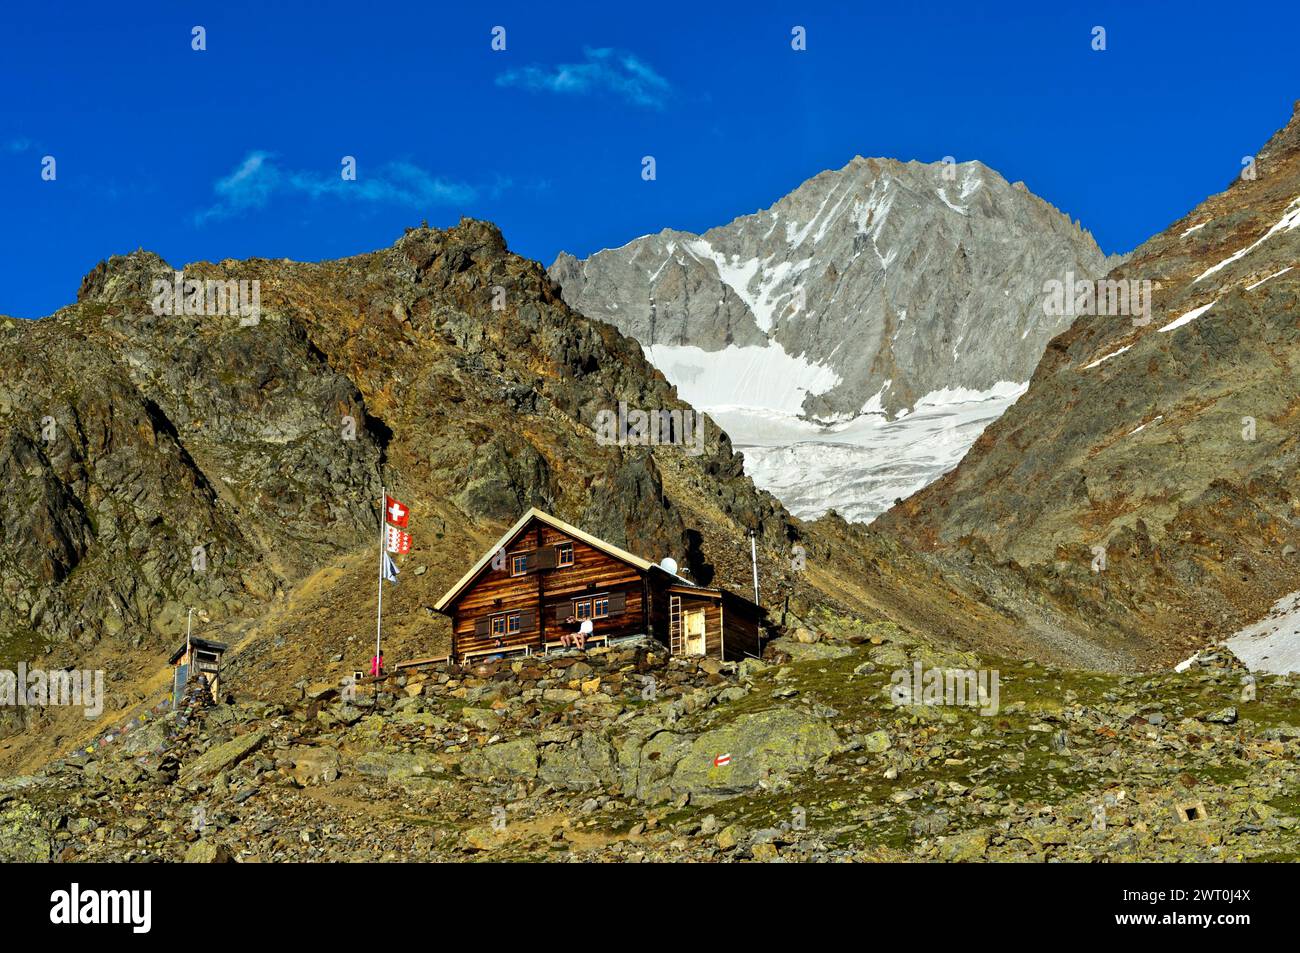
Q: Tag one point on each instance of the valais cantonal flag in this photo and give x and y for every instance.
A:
(395, 512)
(398, 542)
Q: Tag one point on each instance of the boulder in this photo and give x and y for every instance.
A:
(315, 765)
(800, 651)
(588, 763)
(877, 742)
(507, 759)
(221, 757)
(149, 737)
(646, 763)
(397, 765)
(762, 746)
(206, 852)
(23, 839)
(965, 847)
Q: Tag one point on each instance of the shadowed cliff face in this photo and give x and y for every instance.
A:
(1169, 447)
(155, 462)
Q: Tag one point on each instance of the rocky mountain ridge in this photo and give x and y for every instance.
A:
(1148, 476)
(854, 338)
(872, 285)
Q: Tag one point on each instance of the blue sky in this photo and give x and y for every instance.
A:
(235, 151)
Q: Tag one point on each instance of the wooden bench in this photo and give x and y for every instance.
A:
(420, 662)
(503, 651)
(590, 640)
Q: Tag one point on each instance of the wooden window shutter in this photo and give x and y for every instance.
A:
(527, 621)
(545, 559)
(617, 603)
(480, 628)
(563, 611)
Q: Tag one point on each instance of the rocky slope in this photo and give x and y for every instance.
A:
(881, 288)
(1169, 448)
(614, 756)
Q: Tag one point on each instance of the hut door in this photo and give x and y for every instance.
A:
(178, 685)
(695, 643)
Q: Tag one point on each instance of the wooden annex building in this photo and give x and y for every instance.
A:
(518, 596)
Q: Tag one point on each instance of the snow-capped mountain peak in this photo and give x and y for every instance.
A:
(860, 293)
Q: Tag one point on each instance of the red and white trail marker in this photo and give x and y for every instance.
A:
(722, 760)
(395, 512)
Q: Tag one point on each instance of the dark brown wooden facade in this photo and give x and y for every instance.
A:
(519, 595)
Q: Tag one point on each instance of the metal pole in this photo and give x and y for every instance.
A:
(379, 612)
(753, 558)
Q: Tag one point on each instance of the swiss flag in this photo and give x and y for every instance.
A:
(395, 512)
(398, 542)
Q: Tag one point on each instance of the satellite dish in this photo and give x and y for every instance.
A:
(668, 565)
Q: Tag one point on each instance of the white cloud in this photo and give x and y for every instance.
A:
(602, 71)
(259, 177)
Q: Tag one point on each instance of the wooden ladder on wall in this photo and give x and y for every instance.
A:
(675, 646)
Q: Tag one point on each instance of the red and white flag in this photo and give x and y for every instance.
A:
(722, 760)
(395, 512)
(398, 542)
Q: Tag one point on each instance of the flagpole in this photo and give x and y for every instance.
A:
(379, 612)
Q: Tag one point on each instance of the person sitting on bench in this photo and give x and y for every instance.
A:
(578, 638)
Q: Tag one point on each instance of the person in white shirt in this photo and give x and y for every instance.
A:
(578, 638)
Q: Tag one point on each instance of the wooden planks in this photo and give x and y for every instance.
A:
(544, 595)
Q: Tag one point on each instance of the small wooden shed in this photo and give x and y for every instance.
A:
(197, 658)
